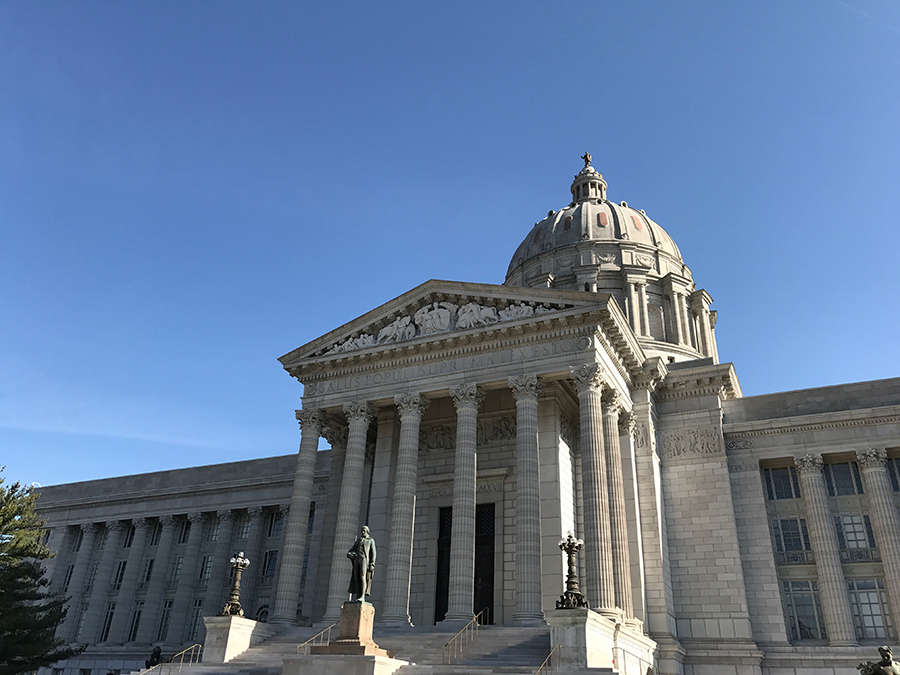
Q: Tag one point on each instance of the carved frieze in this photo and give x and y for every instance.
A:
(644, 260)
(698, 441)
(438, 317)
(494, 431)
(640, 435)
(436, 437)
(739, 444)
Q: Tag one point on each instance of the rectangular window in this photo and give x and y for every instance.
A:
(84, 671)
(276, 524)
(782, 483)
(135, 621)
(120, 574)
(791, 540)
(164, 620)
(843, 479)
(243, 529)
(206, 567)
(212, 533)
(107, 622)
(129, 537)
(893, 466)
(157, 533)
(803, 611)
(89, 582)
(69, 570)
(855, 536)
(870, 609)
(270, 560)
(81, 615)
(185, 532)
(176, 568)
(57, 671)
(101, 540)
(148, 571)
(196, 619)
(76, 543)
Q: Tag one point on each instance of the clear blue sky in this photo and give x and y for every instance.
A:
(189, 190)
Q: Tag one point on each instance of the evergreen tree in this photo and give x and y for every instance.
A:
(29, 614)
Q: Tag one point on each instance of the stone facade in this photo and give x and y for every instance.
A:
(472, 425)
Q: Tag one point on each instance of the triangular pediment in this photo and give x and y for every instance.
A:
(438, 312)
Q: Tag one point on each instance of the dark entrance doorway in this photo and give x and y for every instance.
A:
(484, 562)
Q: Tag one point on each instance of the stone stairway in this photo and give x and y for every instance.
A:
(496, 650)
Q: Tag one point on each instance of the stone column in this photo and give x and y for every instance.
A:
(359, 414)
(526, 389)
(823, 539)
(336, 435)
(885, 520)
(396, 597)
(76, 583)
(100, 593)
(676, 318)
(125, 599)
(287, 594)
(598, 575)
(612, 406)
(218, 586)
(634, 315)
(187, 580)
(645, 318)
(253, 551)
(466, 398)
(161, 565)
(686, 322)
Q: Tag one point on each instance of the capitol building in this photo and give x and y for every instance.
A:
(472, 426)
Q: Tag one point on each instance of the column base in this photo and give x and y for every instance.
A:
(456, 619)
(395, 620)
(283, 621)
(529, 619)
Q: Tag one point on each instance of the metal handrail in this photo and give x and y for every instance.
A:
(547, 665)
(461, 640)
(642, 663)
(314, 638)
(194, 654)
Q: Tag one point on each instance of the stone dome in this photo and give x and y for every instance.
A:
(595, 245)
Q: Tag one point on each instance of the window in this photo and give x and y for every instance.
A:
(120, 574)
(270, 560)
(206, 567)
(89, 583)
(157, 533)
(212, 533)
(56, 671)
(843, 479)
(782, 483)
(791, 541)
(164, 620)
(81, 615)
(101, 539)
(855, 537)
(243, 529)
(176, 568)
(196, 619)
(129, 537)
(870, 610)
(77, 539)
(84, 671)
(107, 622)
(276, 524)
(185, 532)
(893, 466)
(262, 614)
(803, 610)
(148, 571)
(69, 570)
(135, 621)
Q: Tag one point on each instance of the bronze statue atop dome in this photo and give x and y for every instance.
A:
(587, 159)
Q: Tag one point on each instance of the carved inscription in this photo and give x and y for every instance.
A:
(683, 442)
(447, 490)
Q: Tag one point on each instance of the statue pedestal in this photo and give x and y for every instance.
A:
(589, 640)
(354, 652)
(355, 633)
(228, 636)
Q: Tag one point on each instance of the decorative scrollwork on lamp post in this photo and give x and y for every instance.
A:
(572, 598)
(233, 607)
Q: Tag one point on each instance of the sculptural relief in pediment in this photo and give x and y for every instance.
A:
(436, 318)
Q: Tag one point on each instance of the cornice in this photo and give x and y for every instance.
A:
(714, 380)
(816, 422)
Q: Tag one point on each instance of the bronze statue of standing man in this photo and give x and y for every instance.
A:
(362, 558)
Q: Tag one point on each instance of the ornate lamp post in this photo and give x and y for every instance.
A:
(233, 607)
(572, 598)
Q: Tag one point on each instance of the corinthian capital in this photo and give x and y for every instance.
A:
(612, 402)
(140, 524)
(809, 464)
(627, 423)
(335, 432)
(411, 404)
(873, 458)
(359, 411)
(526, 387)
(309, 418)
(115, 526)
(587, 377)
(468, 395)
